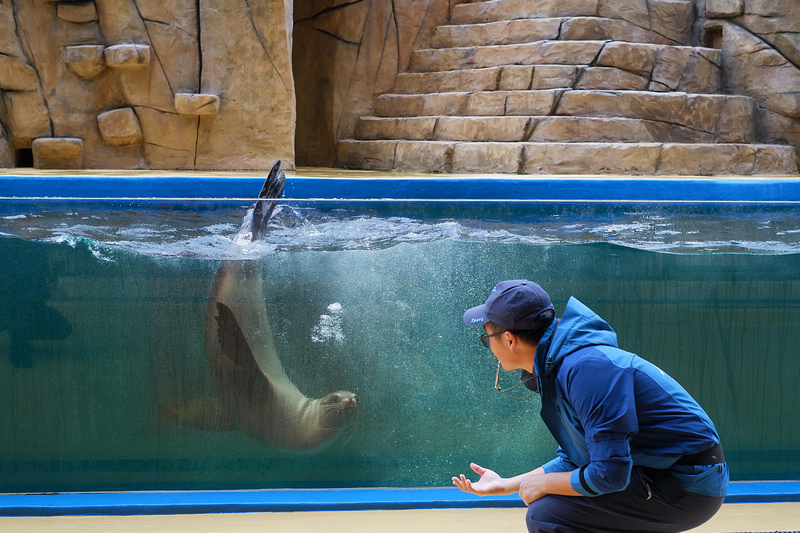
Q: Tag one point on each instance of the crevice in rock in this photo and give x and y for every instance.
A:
(153, 50)
(556, 102)
(196, 143)
(530, 127)
(28, 54)
(327, 10)
(341, 117)
(448, 157)
(158, 22)
(394, 155)
(765, 41)
(199, 47)
(434, 131)
(264, 45)
(165, 147)
(396, 32)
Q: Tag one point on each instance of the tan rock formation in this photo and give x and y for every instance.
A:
(115, 74)
(78, 12)
(85, 61)
(197, 104)
(345, 53)
(755, 68)
(236, 84)
(119, 127)
(620, 86)
(57, 153)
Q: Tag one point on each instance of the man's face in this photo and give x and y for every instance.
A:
(503, 345)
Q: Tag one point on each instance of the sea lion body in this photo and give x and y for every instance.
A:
(248, 376)
(253, 393)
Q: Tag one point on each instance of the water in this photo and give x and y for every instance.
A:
(204, 231)
(101, 326)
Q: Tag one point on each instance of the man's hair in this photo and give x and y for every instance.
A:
(533, 335)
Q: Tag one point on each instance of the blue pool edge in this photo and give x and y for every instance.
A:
(246, 501)
(548, 189)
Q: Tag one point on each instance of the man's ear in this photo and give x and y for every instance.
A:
(510, 339)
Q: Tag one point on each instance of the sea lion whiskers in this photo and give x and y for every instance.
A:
(351, 426)
(329, 413)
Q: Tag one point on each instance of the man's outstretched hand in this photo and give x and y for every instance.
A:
(489, 484)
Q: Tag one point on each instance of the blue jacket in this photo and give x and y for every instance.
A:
(609, 410)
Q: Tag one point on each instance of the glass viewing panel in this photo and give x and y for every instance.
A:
(105, 381)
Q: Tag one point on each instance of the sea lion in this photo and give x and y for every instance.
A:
(253, 393)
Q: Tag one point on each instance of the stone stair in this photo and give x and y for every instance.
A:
(571, 86)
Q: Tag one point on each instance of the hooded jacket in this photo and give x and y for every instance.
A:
(609, 410)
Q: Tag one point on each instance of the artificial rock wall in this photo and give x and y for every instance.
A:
(236, 84)
(347, 52)
(760, 43)
(181, 84)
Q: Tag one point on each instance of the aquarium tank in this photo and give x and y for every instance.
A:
(105, 383)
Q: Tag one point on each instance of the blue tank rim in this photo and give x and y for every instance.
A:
(239, 501)
(734, 190)
(535, 189)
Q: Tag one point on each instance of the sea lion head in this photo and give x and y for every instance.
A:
(342, 400)
(337, 408)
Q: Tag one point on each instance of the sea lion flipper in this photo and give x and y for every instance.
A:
(203, 413)
(232, 342)
(268, 198)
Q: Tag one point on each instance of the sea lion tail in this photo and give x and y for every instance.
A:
(268, 199)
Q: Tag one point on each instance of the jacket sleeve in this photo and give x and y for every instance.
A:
(560, 464)
(602, 396)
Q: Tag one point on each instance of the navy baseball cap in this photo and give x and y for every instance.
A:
(513, 304)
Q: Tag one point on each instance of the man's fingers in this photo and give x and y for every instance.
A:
(463, 483)
(477, 469)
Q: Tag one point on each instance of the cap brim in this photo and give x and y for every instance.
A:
(475, 316)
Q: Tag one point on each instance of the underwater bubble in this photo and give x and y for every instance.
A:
(329, 326)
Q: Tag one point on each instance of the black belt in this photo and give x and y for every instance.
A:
(711, 456)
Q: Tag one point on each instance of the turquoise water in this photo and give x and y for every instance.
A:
(102, 325)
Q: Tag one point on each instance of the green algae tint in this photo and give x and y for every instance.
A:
(97, 336)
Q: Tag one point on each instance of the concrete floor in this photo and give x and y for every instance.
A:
(732, 518)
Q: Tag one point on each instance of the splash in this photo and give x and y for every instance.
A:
(211, 233)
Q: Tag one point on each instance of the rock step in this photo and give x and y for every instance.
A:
(538, 77)
(592, 65)
(546, 129)
(704, 112)
(544, 29)
(661, 159)
(637, 58)
(672, 19)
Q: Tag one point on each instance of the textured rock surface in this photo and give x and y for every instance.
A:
(754, 68)
(344, 54)
(119, 127)
(569, 158)
(57, 153)
(85, 61)
(236, 84)
(197, 104)
(592, 86)
(110, 72)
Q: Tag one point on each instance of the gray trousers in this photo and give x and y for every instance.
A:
(668, 509)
